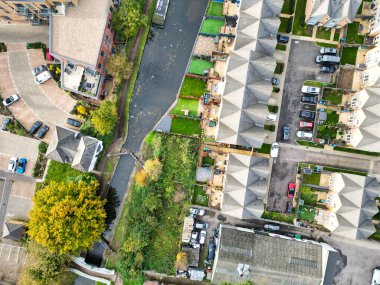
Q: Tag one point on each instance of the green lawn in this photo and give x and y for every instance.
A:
(352, 34)
(265, 148)
(281, 47)
(61, 172)
(332, 118)
(311, 144)
(336, 35)
(215, 9)
(287, 7)
(284, 26)
(287, 218)
(358, 151)
(186, 104)
(326, 132)
(198, 66)
(326, 45)
(309, 197)
(323, 34)
(299, 25)
(334, 96)
(318, 83)
(306, 213)
(349, 55)
(211, 26)
(192, 87)
(312, 179)
(185, 126)
(349, 171)
(200, 197)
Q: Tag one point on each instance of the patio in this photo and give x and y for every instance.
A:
(220, 68)
(230, 9)
(225, 44)
(205, 46)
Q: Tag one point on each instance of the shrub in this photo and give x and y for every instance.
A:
(42, 147)
(141, 178)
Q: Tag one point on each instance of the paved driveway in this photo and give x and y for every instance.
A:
(23, 34)
(284, 170)
(301, 67)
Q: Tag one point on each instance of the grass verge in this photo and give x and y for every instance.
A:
(274, 216)
(299, 25)
(357, 151)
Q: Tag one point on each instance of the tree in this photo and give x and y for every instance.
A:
(181, 261)
(141, 178)
(104, 118)
(119, 67)
(153, 168)
(67, 216)
(43, 267)
(128, 19)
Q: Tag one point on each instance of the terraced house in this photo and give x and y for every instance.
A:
(33, 12)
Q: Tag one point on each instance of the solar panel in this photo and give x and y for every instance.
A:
(303, 262)
(237, 250)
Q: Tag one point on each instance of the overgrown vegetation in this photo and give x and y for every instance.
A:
(16, 128)
(153, 215)
(308, 143)
(334, 96)
(286, 218)
(199, 197)
(310, 198)
(119, 67)
(40, 165)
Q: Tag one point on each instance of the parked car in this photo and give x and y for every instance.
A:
(211, 250)
(327, 59)
(197, 211)
(310, 90)
(376, 277)
(194, 236)
(201, 226)
(327, 69)
(307, 115)
(271, 117)
(309, 99)
(35, 127)
(274, 150)
(202, 237)
(326, 50)
(304, 124)
(21, 165)
(285, 133)
(73, 122)
(304, 135)
(282, 39)
(291, 189)
(38, 70)
(12, 164)
(10, 100)
(271, 227)
(289, 207)
(42, 132)
(42, 77)
(275, 81)
(6, 122)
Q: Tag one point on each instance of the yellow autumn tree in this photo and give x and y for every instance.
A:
(153, 168)
(141, 178)
(181, 261)
(67, 216)
(104, 118)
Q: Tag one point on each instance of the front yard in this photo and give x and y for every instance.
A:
(299, 26)
(199, 66)
(285, 25)
(212, 26)
(192, 87)
(186, 104)
(353, 36)
(334, 96)
(349, 55)
(312, 179)
(186, 126)
(323, 34)
(306, 213)
(326, 132)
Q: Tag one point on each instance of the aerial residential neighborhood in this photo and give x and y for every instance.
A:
(190, 142)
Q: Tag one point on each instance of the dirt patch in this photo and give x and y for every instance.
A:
(179, 196)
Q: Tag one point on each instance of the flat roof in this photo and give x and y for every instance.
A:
(77, 36)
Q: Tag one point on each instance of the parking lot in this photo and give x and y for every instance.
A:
(301, 67)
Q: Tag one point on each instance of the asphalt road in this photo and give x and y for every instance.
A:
(162, 68)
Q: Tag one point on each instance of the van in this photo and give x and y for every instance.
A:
(201, 226)
(271, 117)
(271, 227)
(42, 77)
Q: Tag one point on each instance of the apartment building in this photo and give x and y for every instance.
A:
(82, 41)
(331, 13)
(33, 12)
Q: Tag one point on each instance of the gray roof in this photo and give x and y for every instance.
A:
(69, 146)
(358, 206)
(250, 69)
(192, 255)
(370, 127)
(269, 259)
(245, 186)
(13, 230)
(336, 9)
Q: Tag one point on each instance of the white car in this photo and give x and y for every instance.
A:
(39, 70)
(12, 164)
(10, 100)
(310, 89)
(198, 212)
(202, 237)
(42, 77)
(302, 134)
(274, 150)
(376, 277)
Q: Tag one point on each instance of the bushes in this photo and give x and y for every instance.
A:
(270, 128)
(273, 109)
(42, 147)
(3, 47)
(279, 68)
(281, 47)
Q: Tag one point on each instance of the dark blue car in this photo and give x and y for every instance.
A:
(21, 165)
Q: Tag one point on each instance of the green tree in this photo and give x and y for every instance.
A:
(67, 216)
(43, 267)
(104, 118)
(128, 19)
(119, 67)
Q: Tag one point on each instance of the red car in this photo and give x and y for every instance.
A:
(304, 124)
(291, 189)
